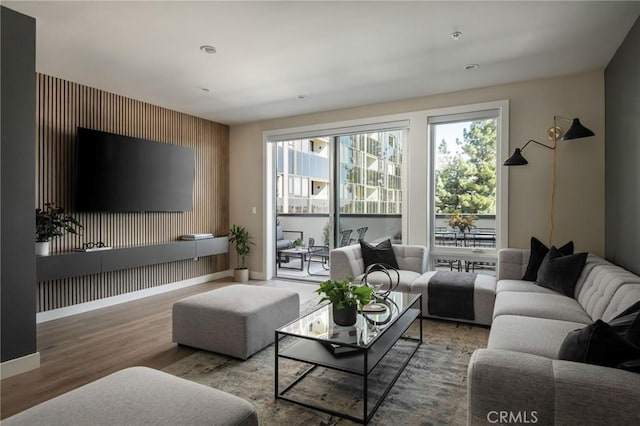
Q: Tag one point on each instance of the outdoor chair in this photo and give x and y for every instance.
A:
(321, 254)
(345, 237)
(359, 235)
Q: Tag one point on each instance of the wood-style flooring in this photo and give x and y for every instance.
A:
(82, 348)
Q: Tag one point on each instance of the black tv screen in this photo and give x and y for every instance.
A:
(116, 173)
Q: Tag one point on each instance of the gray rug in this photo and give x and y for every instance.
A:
(431, 390)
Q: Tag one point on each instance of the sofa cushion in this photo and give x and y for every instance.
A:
(406, 278)
(537, 254)
(598, 344)
(561, 272)
(537, 336)
(522, 286)
(540, 305)
(381, 253)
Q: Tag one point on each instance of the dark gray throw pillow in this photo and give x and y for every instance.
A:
(538, 252)
(627, 323)
(599, 344)
(559, 272)
(382, 253)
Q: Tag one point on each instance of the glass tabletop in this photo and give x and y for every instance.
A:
(319, 325)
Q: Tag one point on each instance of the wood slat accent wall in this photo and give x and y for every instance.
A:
(62, 106)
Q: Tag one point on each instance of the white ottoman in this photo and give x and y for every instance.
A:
(140, 396)
(237, 320)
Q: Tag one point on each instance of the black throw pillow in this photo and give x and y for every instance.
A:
(599, 344)
(382, 253)
(559, 272)
(633, 333)
(538, 252)
(627, 323)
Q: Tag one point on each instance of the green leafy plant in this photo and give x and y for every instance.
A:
(297, 243)
(239, 236)
(342, 293)
(52, 222)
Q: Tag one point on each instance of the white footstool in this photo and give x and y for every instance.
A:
(237, 320)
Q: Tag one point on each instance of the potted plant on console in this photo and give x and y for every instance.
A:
(344, 297)
(52, 222)
(239, 236)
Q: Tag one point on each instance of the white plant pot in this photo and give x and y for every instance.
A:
(241, 275)
(42, 249)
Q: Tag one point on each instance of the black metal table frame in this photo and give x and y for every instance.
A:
(367, 416)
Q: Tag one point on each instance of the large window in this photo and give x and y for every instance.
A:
(465, 193)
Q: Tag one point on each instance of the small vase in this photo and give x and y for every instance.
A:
(346, 316)
(42, 248)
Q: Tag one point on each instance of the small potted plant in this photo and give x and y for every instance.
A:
(239, 236)
(52, 222)
(462, 223)
(345, 298)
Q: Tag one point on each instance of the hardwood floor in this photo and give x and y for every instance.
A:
(82, 348)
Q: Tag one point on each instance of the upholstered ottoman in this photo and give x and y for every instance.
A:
(480, 296)
(237, 320)
(140, 396)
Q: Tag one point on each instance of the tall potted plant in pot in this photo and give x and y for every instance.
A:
(239, 236)
(345, 298)
(52, 222)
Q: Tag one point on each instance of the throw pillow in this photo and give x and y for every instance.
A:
(538, 252)
(599, 344)
(382, 253)
(622, 323)
(559, 272)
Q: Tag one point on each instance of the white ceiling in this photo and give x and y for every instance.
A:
(337, 54)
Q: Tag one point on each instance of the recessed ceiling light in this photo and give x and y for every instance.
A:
(456, 35)
(208, 49)
(471, 67)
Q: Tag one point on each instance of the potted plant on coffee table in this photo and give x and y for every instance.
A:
(345, 298)
(52, 222)
(239, 236)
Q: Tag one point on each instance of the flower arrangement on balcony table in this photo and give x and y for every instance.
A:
(462, 223)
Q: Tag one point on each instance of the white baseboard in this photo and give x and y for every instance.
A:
(19, 365)
(122, 298)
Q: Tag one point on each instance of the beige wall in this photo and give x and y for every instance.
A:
(579, 210)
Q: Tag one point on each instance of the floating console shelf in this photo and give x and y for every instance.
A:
(75, 264)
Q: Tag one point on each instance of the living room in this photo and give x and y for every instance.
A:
(596, 178)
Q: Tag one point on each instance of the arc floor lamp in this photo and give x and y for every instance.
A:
(576, 131)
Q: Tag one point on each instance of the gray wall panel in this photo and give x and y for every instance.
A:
(18, 267)
(622, 154)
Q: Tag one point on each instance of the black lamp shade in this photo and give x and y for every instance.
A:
(576, 131)
(516, 159)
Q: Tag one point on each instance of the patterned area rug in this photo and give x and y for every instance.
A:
(431, 390)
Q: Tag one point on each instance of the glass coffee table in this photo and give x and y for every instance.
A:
(378, 346)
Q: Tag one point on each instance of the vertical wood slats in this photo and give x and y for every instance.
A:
(61, 107)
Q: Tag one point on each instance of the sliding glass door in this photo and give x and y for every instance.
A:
(334, 190)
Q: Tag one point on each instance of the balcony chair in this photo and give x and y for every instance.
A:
(345, 237)
(321, 253)
(359, 235)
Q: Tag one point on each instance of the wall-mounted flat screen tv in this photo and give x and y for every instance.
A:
(116, 173)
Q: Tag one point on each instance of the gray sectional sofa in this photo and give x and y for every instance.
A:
(519, 377)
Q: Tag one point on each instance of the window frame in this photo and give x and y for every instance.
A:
(467, 113)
